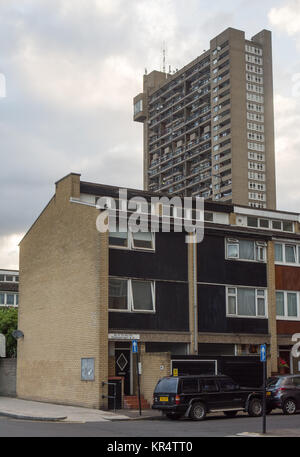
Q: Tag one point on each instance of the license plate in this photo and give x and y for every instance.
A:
(268, 394)
(164, 399)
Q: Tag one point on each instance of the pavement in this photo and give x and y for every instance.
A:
(32, 410)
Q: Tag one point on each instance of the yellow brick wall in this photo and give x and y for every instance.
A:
(152, 372)
(111, 366)
(63, 303)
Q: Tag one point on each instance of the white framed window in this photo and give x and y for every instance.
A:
(119, 239)
(133, 241)
(253, 50)
(254, 59)
(255, 107)
(232, 249)
(255, 136)
(248, 250)
(254, 78)
(131, 295)
(255, 116)
(246, 302)
(138, 107)
(256, 147)
(143, 240)
(9, 277)
(255, 88)
(9, 299)
(255, 98)
(287, 253)
(254, 69)
(287, 305)
(284, 226)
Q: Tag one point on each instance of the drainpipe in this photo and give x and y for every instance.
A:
(195, 296)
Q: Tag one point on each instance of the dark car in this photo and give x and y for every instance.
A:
(196, 396)
(284, 392)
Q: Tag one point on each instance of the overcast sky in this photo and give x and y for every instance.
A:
(72, 68)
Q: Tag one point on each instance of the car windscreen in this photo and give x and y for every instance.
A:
(272, 382)
(167, 385)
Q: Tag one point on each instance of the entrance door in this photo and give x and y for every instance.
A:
(122, 363)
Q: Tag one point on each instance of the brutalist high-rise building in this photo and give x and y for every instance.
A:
(209, 127)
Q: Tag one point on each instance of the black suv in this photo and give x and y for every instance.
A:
(284, 392)
(195, 396)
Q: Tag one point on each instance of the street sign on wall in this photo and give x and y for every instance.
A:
(134, 347)
(2, 346)
(263, 353)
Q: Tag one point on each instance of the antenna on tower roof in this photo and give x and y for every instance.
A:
(164, 57)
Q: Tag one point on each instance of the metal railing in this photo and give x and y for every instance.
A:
(114, 396)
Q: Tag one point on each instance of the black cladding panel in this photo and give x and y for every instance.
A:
(214, 268)
(212, 314)
(168, 262)
(172, 311)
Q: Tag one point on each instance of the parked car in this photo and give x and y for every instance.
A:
(284, 392)
(196, 396)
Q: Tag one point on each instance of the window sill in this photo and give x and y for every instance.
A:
(246, 317)
(127, 311)
(121, 248)
(246, 260)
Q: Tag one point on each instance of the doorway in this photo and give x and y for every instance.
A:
(123, 365)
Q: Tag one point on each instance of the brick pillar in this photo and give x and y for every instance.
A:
(193, 327)
(103, 317)
(272, 367)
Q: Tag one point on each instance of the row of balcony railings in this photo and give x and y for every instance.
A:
(181, 122)
(179, 110)
(170, 179)
(186, 150)
(185, 76)
(162, 107)
(188, 128)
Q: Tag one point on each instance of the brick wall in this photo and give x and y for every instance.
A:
(63, 303)
(152, 372)
(8, 371)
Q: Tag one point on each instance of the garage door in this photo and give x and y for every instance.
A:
(194, 367)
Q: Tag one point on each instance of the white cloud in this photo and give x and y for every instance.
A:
(287, 17)
(64, 80)
(287, 133)
(9, 251)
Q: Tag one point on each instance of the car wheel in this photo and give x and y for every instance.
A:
(289, 406)
(173, 416)
(230, 413)
(198, 411)
(255, 408)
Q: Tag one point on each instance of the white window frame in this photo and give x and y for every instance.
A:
(130, 244)
(130, 302)
(297, 253)
(5, 305)
(152, 284)
(14, 276)
(258, 245)
(286, 317)
(256, 302)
